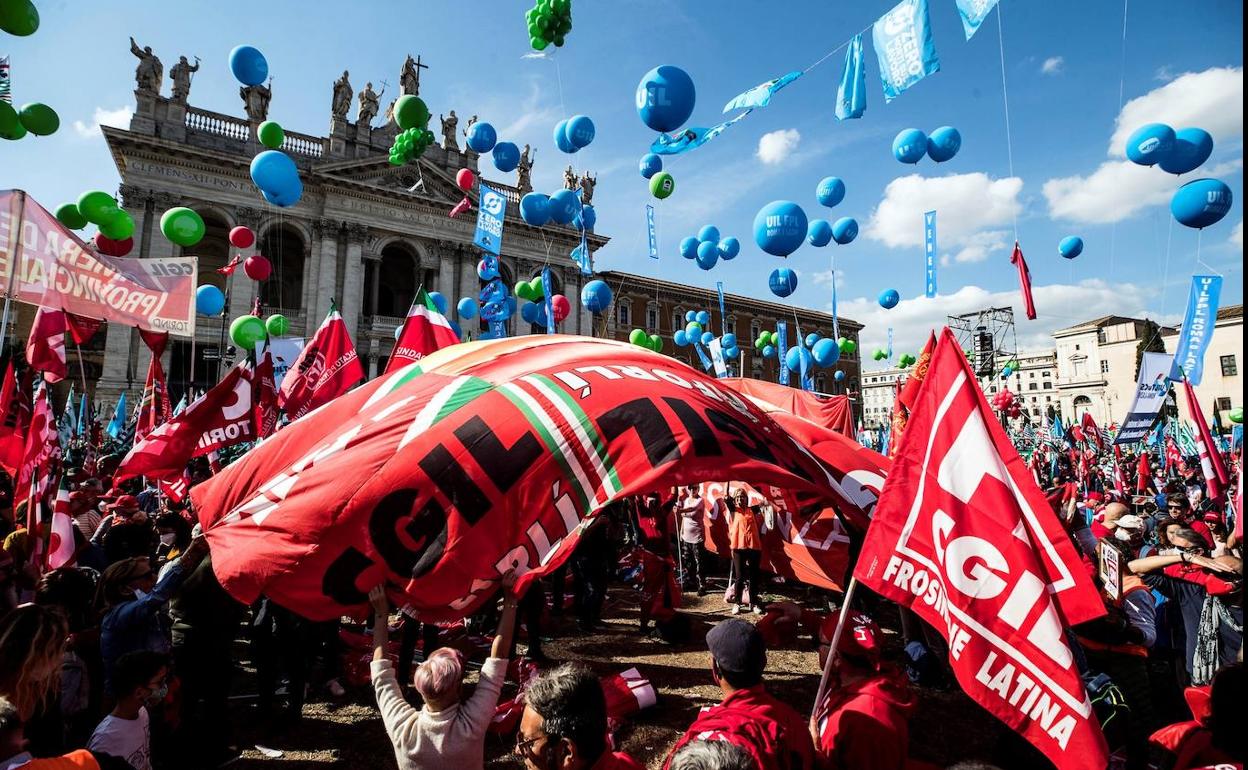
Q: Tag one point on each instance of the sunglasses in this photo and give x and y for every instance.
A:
(523, 744)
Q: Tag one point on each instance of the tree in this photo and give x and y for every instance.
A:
(1150, 342)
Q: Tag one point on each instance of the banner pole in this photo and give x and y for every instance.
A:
(15, 239)
(82, 369)
(836, 639)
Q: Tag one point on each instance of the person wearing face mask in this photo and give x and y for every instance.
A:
(174, 534)
(139, 678)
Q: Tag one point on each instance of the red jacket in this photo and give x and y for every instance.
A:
(863, 726)
(617, 760)
(775, 735)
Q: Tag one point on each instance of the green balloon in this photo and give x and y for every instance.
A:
(69, 215)
(662, 185)
(9, 122)
(560, 7)
(119, 226)
(246, 331)
(39, 119)
(656, 343)
(411, 112)
(523, 291)
(638, 337)
(535, 286)
(98, 207)
(277, 324)
(19, 17)
(183, 226)
(14, 133)
(1237, 415)
(271, 134)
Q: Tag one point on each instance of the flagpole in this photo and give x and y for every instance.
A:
(82, 369)
(836, 639)
(229, 281)
(14, 266)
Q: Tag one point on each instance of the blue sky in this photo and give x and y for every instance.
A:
(1064, 66)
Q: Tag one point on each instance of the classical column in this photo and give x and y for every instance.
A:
(326, 271)
(374, 279)
(353, 277)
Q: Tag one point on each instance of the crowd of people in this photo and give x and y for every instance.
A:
(127, 658)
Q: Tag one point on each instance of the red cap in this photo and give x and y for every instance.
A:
(125, 503)
(860, 638)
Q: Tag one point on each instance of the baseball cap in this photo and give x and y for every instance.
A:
(737, 646)
(125, 503)
(860, 638)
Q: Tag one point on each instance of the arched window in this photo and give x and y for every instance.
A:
(398, 278)
(1082, 404)
(213, 250)
(284, 248)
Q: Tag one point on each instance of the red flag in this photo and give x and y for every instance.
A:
(15, 411)
(897, 425)
(81, 328)
(1120, 477)
(1217, 478)
(910, 390)
(232, 266)
(221, 417)
(45, 348)
(175, 490)
(264, 392)
(154, 407)
(43, 445)
(1024, 281)
(1091, 431)
(155, 341)
(1143, 473)
(326, 368)
(424, 331)
(964, 537)
(61, 549)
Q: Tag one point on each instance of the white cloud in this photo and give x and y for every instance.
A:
(775, 147)
(1057, 305)
(1115, 191)
(1212, 100)
(972, 210)
(118, 118)
(1237, 235)
(1053, 65)
(824, 278)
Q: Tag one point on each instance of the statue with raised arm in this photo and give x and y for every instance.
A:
(180, 74)
(370, 104)
(524, 171)
(448, 131)
(256, 101)
(468, 130)
(409, 78)
(569, 178)
(587, 187)
(150, 71)
(342, 96)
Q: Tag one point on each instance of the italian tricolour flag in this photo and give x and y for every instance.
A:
(424, 331)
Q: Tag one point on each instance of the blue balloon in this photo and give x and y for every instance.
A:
(665, 98)
(831, 191)
(703, 317)
(287, 196)
(486, 271)
(691, 316)
(482, 137)
(439, 301)
(708, 337)
(1149, 143)
(596, 296)
(494, 291)
(680, 338)
(811, 339)
(910, 145)
(273, 171)
(561, 138)
(793, 359)
(819, 232)
(708, 254)
(529, 312)
(708, 233)
(535, 209)
(467, 308)
(943, 143)
(650, 165)
(693, 329)
(1070, 247)
(248, 65)
(826, 352)
(1201, 203)
(564, 206)
(780, 228)
(495, 311)
(1192, 147)
(689, 247)
(845, 230)
(732, 352)
(209, 300)
(398, 332)
(729, 340)
(889, 299)
(511, 304)
(782, 281)
(1007, 371)
(506, 156)
(580, 131)
(769, 351)
(459, 332)
(587, 218)
(729, 248)
(839, 376)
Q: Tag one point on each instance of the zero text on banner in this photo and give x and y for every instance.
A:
(929, 252)
(489, 235)
(1150, 393)
(1197, 331)
(903, 43)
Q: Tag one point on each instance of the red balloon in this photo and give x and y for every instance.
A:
(560, 306)
(464, 179)
(257, 267)
(242, 237)
(111, 248)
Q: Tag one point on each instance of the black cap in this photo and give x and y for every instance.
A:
(737, 646)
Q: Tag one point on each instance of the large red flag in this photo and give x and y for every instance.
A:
(81, 328)
(424, 331)
(264, 394)
(45, 348)
(964, 537)
(154, 407)
(1217, 478)
(43, 446)
(1143, 473)
(61, 548)
(221, 417)
(15, 413)
(1092, 431)
(1024, 281)
(326, 368)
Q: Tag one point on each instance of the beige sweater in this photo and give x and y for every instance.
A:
(451, 738)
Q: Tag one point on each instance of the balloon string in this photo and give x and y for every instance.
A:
(1165, 272)
(1005, 99)
(1122, 79)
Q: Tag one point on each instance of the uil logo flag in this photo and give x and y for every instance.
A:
(489, 235)
(973, 13)
(903, 43)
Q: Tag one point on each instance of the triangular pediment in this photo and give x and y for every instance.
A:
(406, 180)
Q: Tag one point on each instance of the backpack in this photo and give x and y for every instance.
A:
(762, 738)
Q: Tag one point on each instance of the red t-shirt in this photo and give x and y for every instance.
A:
(863, 726)
(796, 730)
(617, 760)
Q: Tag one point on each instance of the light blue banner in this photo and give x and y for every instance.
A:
(903, 43)
(890, 343)
(973, 13)
(929, 251)
(702, 356)
(1197, 331)
(851, 94)
(723, 316)
(652, 232)
(117, 425)
(690, 138)
(760, 95)
(836, 323)
(782, 350)
(547, 300)
(490, 212)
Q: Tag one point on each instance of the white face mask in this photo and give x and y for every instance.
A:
(169, 538)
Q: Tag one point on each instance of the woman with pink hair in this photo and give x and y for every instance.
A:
(446, 731)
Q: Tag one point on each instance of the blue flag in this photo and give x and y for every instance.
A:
(723, 316)
(84, 416)
(782, 350)
(836, 324)
(489, 234)
(702, 356)
(890, 343)
(973, 13)
(903, 43)
(547, 300)
(117, 425)
(691, 138)
(1197, 332)
(760, 95)
(929, 251)
(651, 232)
(851, 94)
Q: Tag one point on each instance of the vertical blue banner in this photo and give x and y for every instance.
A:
(547, 300)
(702, 356)
(890, 343)
(652, 232)
(851, 94)
(1197, 331)
(782, 350)
(903, 43)
(723, 317)
(490, 212)
(929, 251)
(836, 324)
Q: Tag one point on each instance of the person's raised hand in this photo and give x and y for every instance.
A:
(378, 600)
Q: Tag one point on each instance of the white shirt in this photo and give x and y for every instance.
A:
(128, 739)
(691, 511)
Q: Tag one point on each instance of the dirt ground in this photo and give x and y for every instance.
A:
(347, 732)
